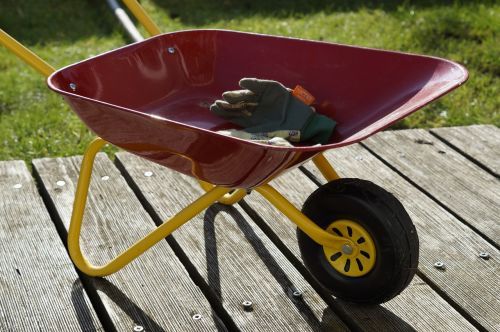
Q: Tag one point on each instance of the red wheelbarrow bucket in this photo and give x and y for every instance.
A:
(152, 98)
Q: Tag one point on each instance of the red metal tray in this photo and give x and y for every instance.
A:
(152, 98)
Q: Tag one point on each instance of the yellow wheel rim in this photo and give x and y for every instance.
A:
(353, 261)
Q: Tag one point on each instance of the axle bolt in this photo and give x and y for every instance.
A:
(347, 249)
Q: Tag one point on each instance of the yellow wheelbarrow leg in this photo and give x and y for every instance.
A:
(325, 168)
(229, 198)
(305, 224)
(140, 246)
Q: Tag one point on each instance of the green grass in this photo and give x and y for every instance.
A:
(34, 122)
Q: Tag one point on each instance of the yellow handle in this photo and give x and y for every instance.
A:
(25, 54)
(142, 17)
(43, 67)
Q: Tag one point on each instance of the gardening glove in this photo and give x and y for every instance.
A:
(267, 106)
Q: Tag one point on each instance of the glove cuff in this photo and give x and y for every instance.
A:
(318, 130)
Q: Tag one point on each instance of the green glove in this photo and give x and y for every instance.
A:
(266, 106)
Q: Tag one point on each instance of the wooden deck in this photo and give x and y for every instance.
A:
(196, 280)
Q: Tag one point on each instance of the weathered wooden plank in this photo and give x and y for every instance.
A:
(449, 177)
(480, 143)
(39, 287)
(234, 257)
(469, 281)
(418, 307)
(155, 291)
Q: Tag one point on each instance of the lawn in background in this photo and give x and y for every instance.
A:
(34, 122)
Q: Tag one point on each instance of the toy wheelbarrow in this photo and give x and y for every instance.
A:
(152, 99)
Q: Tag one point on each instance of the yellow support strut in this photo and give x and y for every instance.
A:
(305, 224)
(25, 54)
(142, 17)
(227, 199)
(325, 168)
(140, 246)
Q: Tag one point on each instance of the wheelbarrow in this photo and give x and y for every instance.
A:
(152, 99)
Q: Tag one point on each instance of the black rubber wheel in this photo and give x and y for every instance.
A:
(392, 232)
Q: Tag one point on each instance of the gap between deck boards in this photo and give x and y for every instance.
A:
(193, 272)
(486, 233)
(97, 304)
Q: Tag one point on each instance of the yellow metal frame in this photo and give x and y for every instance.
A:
(142, 17)
(305, 224)
(25, 54)
(213, 193)
(228, 199)
(140, 246)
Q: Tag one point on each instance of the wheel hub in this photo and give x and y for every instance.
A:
(354, 260)
(347, 249)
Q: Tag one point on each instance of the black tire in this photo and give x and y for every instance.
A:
(387, 222)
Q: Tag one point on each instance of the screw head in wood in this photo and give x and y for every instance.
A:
(297, 294)
(171, 50)
(60, 183)
(72, 86)
(197, 316)
(247, 305)
(484, 255)
(17, 186)
(148, 173)
(138, 328)
(439, 265)
(105, 178)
